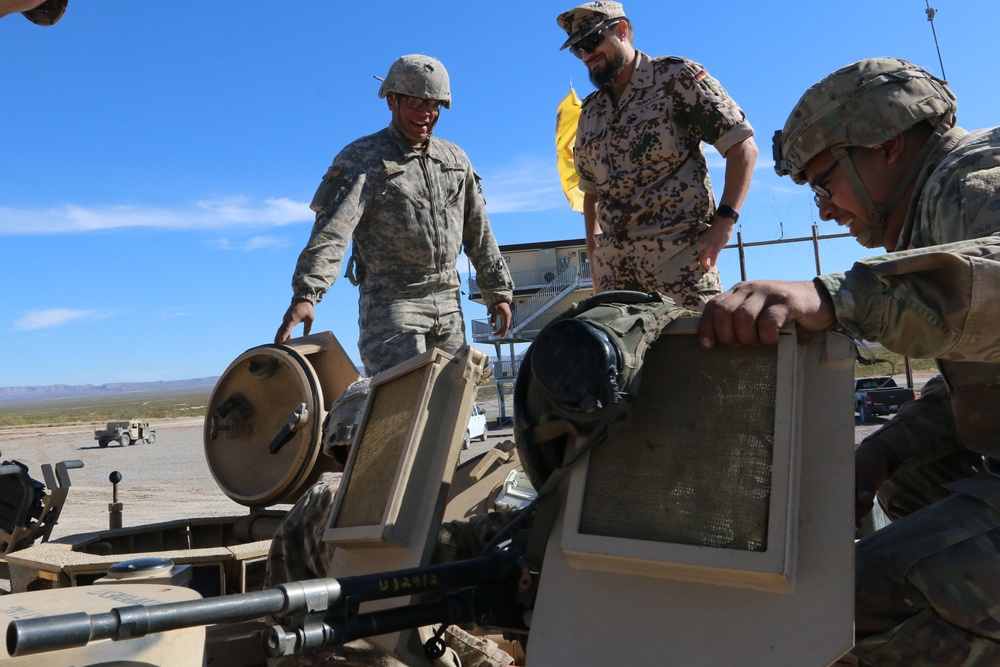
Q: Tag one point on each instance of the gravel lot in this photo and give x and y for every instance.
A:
(160, 482)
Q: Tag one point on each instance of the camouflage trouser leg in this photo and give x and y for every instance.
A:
(297, 549)
(393, 330)
(927, 590)
(646, 266)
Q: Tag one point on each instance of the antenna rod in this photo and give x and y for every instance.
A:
(931, 13)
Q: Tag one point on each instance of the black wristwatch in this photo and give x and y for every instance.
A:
(726, 211)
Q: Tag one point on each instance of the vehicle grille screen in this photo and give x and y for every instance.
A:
(690, 467)
(379, 450)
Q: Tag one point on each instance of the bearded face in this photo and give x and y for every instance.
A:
(604, 76)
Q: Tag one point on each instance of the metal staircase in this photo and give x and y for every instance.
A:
(542, 306)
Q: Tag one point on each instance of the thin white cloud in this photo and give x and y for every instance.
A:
(55, 317)
(713, 158)
(530, 184)
(250, 244)
(222, 214)
(171, 313)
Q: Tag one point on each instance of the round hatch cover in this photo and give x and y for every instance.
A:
(263, 426)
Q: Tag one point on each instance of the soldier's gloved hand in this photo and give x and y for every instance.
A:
(871, 470)
(300, 311)
(500, 317)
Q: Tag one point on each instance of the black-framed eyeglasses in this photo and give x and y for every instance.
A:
(591, 41)
(819, 185)
(419, 102)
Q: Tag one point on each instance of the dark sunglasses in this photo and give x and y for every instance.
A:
(418, 102)
(590, 42)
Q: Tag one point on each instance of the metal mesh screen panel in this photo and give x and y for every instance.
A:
(379, 450)
(690, 467)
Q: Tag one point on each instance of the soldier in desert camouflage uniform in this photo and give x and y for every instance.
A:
(410, 201)
(649, 211)
(877, 142)
(41, 12)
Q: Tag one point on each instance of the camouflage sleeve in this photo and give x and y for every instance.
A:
(941, 302)
(492, 274)
(922, 431)
(704, 108)
(341, 208)
(588, 181)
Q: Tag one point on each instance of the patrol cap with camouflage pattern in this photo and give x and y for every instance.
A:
(587, 18)
(863, 104)
(47, 13)
(417, 75)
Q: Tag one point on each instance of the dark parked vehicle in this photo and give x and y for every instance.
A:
(879, 396)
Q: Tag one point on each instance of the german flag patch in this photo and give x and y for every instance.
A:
(334, 171)
(700, 75)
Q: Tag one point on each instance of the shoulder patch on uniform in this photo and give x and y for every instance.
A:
(700, 75)
(334, 171)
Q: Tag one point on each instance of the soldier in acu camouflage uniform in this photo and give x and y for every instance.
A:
(877, 142)
(410, 201)
(649, 211)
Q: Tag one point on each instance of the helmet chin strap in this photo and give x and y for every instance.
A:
(872, 236)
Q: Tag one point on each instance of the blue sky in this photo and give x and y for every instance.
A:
(157, 161)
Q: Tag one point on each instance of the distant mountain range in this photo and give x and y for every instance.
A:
(60, 391)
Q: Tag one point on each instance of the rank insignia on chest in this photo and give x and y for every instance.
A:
(334, 171)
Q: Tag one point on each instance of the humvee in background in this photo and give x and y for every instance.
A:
(125, 433)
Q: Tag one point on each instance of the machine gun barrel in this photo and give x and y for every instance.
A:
(312, 598)
(49, 633)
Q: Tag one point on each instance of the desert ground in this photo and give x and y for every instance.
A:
(160, 482)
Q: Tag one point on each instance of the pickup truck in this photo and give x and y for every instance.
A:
(879, 396)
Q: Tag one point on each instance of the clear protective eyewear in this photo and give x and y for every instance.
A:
(419, 102)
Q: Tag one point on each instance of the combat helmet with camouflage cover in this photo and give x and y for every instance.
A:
(863, 104)
(418, 75)
(47, 13)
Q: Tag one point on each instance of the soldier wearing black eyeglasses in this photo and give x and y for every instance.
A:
(652, 220)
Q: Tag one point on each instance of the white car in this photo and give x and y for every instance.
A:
(477, 426)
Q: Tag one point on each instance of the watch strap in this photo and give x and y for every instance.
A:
(726, 211)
